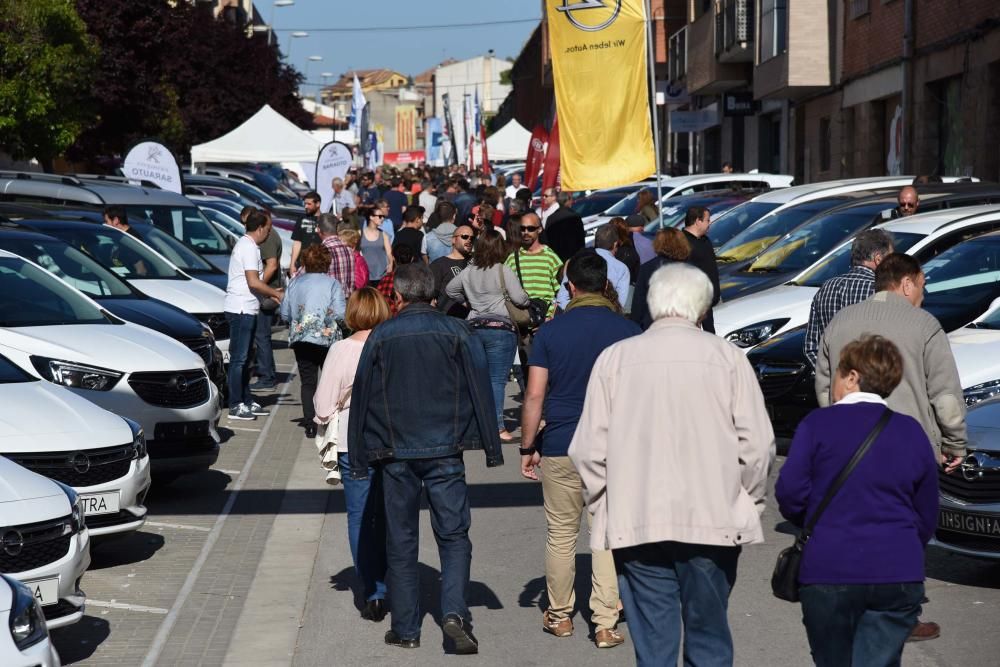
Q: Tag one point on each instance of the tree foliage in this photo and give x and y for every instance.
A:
(171, 71)
(46, 64)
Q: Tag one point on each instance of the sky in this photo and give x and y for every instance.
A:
(408, 51)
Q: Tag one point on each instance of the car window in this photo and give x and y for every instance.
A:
(185, 223)
(973, 264)
(953, 239)
(736, 219)
(175, 251)
(11, 373)
(30, 296)
(755, 239)
(69, 265)
(121, 253)
(625, 207)
(839, 262)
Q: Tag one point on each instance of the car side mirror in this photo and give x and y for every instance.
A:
(887, 214)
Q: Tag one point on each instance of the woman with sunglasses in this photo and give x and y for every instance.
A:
(375, 245)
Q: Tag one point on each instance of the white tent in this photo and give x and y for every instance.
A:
(510, 142)
(267, 136)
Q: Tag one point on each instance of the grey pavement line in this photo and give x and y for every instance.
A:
(179, 526)
(114, 604)
(168, 623)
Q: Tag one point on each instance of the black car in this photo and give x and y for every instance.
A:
(812, 240)
(962, 282)
(81, 271)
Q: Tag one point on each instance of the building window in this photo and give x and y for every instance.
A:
(773, 28)
(951, 146)
(859, 8)
(824, 144)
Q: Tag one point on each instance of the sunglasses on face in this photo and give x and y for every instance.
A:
(529, 230)
(906, 204)
(378, 215)
(464, 237)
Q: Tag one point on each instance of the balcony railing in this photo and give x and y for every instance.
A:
(677, 57)
(734, 25)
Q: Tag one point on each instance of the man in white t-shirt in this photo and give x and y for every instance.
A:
(241, 307)
(515, 185)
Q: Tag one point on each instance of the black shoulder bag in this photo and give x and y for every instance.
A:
(537, 308)
(785, 579)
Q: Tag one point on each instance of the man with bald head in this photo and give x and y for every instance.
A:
(907, 201)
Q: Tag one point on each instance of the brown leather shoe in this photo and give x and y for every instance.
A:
(558, 628)
(924, 631)
(608, 638)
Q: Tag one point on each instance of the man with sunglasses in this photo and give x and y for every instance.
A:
(535, 264)
(445, 268)
(907, 202)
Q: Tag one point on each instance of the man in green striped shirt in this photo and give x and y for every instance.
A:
(539, 264)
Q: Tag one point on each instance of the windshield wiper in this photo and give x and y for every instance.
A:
(765, 269)
(726, 259)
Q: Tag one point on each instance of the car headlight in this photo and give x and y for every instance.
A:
(755, 334)
(76, 521)
(27, 623)
(981, 392)
(206, 332)
(78, 376)
(138, 439)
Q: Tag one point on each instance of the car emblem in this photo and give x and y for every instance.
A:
(13, 543)
(180, 383)
(569, 9)
(974, 466)
(80, 462)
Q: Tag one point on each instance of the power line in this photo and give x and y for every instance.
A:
(409, 27)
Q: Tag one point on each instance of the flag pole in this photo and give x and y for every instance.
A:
(651, 57)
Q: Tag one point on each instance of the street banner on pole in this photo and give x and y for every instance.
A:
(602, 96)
(358, 102)
(449, 128)
(364, 134)
(335, 158)
(152, 161)
(550, 177)
(536, 156)
(435, 142)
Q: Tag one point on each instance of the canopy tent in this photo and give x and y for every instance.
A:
(267, 136)
(510, 142)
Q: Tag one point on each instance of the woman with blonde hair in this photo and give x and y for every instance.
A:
(365, 528)
(671, 246)
(646, 204)
(351, 237)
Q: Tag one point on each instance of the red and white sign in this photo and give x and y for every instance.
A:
(406, 157)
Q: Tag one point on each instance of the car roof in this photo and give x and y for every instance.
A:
(85, 189)
(674, 182)
(928, 223)
(827, 188)
(13, 231)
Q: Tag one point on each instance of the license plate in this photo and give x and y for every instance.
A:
(46, 591)
(225, 357)
(100, 503)
(973, 524)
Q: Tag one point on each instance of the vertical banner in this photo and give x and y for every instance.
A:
(358, 103)
(486, 155)
(452, 157)
(364, 134)
(152, 161)
(550, 176)
(335, 158)
(406, 128)
(536, 155)
(602, 96)
(435, 142)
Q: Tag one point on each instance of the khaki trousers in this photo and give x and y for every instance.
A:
(562, 491)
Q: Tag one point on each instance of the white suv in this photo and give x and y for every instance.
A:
(51, 431)
(68, 339)
(45, 541)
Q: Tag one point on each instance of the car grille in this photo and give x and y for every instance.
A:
(962, 540)
(200, 346)
(171, 389)
(59, 609)
(105, 520)
(217, 322)
(985, 489)
(777, 378)
(82, 468)
(43, 543)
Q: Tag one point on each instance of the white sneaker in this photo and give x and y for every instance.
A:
(241, 412)
(258, 409)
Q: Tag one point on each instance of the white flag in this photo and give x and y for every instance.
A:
(358, 103)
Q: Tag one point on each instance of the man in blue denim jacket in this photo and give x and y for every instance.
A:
(421, 397)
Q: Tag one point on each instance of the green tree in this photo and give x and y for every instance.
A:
(47, 62)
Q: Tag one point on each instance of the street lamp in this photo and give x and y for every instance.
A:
(319, 93)
(270, 19)
(298, 34)
(311, 59)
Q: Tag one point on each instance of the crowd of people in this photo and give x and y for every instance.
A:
(437, 285)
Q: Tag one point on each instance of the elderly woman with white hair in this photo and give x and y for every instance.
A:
(673, 448)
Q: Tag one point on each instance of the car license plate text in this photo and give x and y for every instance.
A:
(973, 524)
(100, 503)
(46, 591)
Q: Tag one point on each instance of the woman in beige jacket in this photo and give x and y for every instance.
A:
(673, 448)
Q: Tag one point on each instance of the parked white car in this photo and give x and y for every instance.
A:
(64, 337)
(750, 320)
(45, 540)
(51, 431)
(24, 637)
(976, 347)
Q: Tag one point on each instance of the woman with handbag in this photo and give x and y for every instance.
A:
(496, 302)
(862, 479)
(365, 530)
(312, 305)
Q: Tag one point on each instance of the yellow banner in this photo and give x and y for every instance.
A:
(602, 95)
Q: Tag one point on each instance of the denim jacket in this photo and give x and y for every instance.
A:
(312, 305)
(422, 390)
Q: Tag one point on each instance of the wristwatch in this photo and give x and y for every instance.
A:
(526, 451)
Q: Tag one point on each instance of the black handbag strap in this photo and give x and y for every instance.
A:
(844, 474)
(517, 264)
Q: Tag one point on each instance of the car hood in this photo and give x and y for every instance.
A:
(22, 491)
(984, 427)
(785, 347)
(744, 283)
(977, 354)
(778, 302)
(154, 314)
(217, 280)
(27, 423)
(191, 296)
(122, 347)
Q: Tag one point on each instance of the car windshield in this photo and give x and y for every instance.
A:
(69, 265)
(175, 251)
(626, 206)
(736, 219)
(225, 220)
(973, 268)
(814, 239)
(674, 214)
(32, 297)
(184, 222)
(756, 238)
(991, 321)
(11, 373)
(123, 253)
(252, 192)
(839, 262)
(598, 202)
(229, 208)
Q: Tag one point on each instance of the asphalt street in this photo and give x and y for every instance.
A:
(248, 564)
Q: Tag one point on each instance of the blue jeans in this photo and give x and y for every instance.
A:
(859, 624)
(500, 346)
(262, 339)
(365, 527)
(241, 330)
(664, 583)
(448, 498)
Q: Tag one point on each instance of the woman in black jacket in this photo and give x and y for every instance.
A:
(671, 246)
